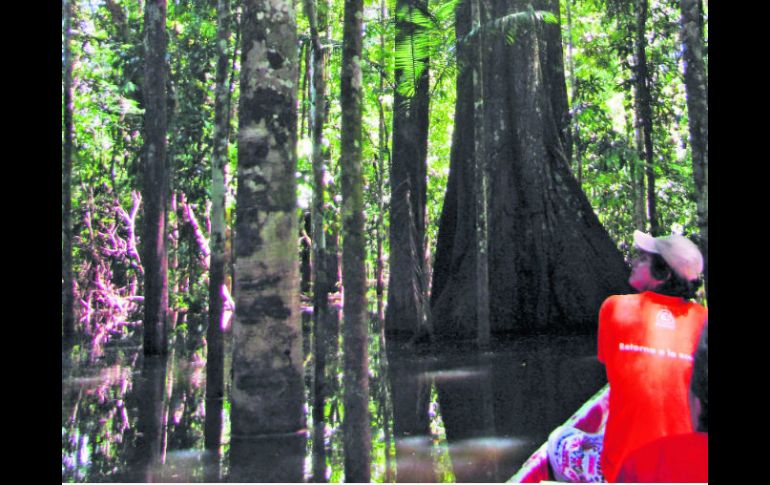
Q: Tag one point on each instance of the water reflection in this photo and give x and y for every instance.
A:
(451, 415)
(521, 391)
(410, 392)
(275, 458)
(151, 404)
(126, 417)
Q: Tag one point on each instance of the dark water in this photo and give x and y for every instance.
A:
(455, 415)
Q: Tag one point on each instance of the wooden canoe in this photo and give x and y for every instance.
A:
(591, 418)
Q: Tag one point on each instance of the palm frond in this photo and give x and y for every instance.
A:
(508, 25)
(421, 33)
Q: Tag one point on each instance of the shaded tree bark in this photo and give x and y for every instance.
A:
(305, 267)
(575, 145)
(380, 168)
(68, 280)
(696, 85)
(357, 434)
(267, 384)
(638, 182)
(481, 178)
(644, 109)
(407, 285)
(215, 376)
(551, 263)
(156, 180)
(322, 278)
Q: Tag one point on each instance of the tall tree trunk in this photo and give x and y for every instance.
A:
(380, 169)
(696, 86)
(637, 177)
(267, 383)
(481, 181)
(644, 110)
(305, 267)
(155, 183)
(68, 280)
(173, 260)
(215, 376)
(554, 78)
(231, 111)
(357, 435)
(551, 263)
(576, 108)
(405, 314)
(318, 19)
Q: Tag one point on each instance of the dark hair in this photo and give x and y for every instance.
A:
(673, 284)
(699, 383)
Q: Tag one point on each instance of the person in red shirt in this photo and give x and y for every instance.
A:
(683, 457)
(646, 342)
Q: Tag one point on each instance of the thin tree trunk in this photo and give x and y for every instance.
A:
(575, 102)
(696, 85)
(267, 383)
(231, 109)
(304, 53)
(644, 109)
(318, 19)
(155, 181)
(305, 271)
(305, 243)
(333, 259)
(380, 171)
(68, 280)
(173, 261)
(357, 434)
(214, 337)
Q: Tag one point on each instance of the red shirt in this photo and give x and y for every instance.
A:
(646, 342)
(674, 459)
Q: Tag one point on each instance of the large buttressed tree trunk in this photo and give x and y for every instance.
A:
(551, 263)
(406, 285)
(696, 85)
(267, 386)
(155, 181)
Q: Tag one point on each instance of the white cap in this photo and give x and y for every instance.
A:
(680, 253)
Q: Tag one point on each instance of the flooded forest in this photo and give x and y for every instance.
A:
(358, 241)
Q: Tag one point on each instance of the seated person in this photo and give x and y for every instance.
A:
(646, 342)
(683, 457)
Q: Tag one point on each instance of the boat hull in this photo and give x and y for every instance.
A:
(591, 418)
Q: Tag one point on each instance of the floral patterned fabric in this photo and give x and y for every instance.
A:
(574, 455)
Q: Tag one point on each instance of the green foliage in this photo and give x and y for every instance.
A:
(603, 109)
(421, 36)
(508, 25)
